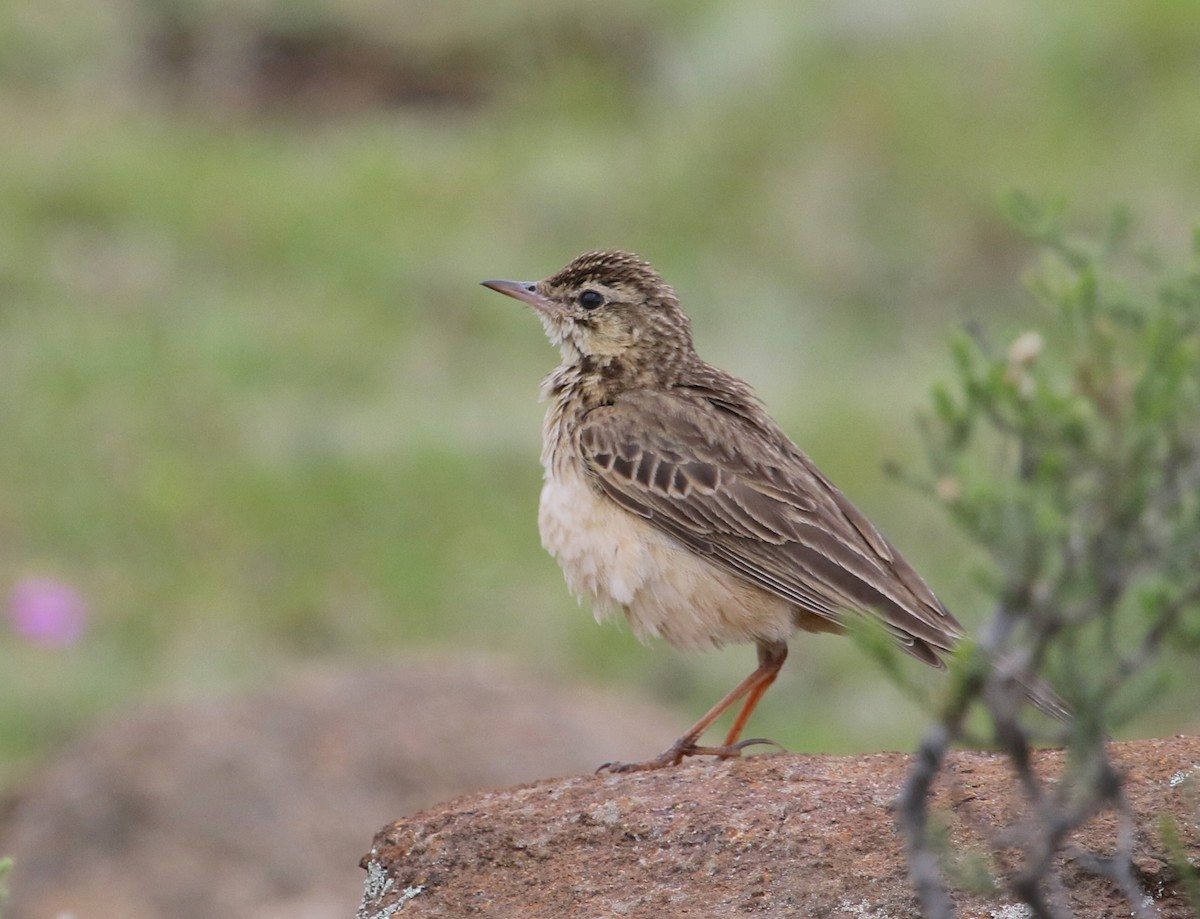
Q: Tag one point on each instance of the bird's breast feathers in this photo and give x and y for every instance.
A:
(617, 560)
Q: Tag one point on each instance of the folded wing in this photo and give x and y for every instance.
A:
(746, 498)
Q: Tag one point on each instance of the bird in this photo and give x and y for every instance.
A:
(671, 495)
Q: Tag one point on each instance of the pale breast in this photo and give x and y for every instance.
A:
(618, 560)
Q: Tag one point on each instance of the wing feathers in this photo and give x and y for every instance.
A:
(747, 498)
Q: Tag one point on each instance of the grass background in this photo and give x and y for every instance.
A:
(256, 409)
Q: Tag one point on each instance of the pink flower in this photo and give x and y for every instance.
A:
(47, 612)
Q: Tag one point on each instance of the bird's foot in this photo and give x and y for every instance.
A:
(686, 746)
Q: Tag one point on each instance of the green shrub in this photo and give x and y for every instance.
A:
(1071, 455)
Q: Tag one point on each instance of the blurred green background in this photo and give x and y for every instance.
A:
(256, 410)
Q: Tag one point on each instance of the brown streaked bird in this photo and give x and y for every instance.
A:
(671, 495)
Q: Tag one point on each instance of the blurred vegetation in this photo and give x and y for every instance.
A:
(5, 866)
(1072, 455)
(256, 410)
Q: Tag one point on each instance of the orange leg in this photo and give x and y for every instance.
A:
(770, 660)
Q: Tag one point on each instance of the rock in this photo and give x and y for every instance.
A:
(257, 806)
(767, 835)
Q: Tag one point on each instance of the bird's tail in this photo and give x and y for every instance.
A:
(1013, 665)
(1045, 699)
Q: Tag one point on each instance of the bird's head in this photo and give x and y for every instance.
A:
(607, 307)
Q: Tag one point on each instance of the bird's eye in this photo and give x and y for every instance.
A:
(590, 299)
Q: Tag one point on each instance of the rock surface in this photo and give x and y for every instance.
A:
(768, 835)
(258, 806)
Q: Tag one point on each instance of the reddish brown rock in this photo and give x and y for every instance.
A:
(769, 835)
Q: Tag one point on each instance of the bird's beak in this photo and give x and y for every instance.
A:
(526, 292)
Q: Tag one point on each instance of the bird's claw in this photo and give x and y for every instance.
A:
(685, 747)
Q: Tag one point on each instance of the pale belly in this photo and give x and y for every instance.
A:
(619, 561)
